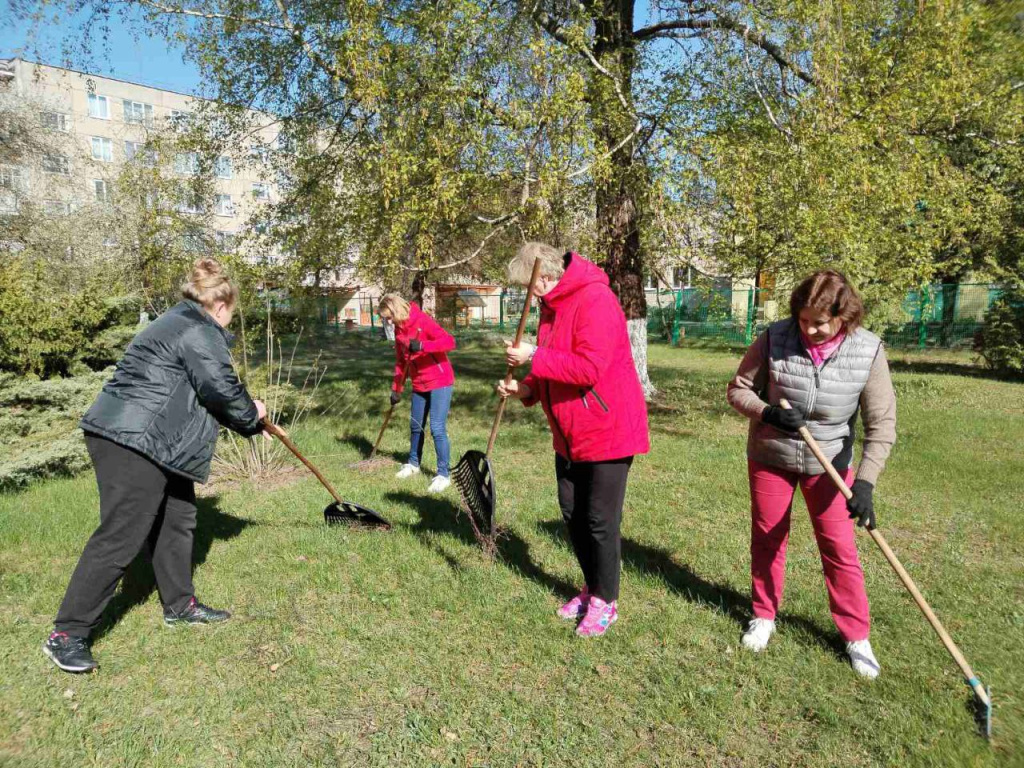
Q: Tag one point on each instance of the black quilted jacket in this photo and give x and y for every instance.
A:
(173, 386)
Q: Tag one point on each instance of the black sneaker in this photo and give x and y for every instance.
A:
(195, 613)
(70, 653)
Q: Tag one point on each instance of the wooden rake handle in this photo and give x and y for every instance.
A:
(534, 275)
(951, 647)
(391, 410)
(279, 433)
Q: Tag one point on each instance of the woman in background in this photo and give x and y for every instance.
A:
(423, 346)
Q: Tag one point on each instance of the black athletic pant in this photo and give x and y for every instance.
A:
(591, 494)
(140, 504)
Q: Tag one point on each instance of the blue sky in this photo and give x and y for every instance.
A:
(145, 60)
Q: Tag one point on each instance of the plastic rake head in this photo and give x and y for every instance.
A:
(474, 478)
(347, 513)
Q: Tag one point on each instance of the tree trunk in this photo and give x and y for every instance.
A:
(619, 193)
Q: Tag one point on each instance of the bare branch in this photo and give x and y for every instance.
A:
(313, 54)
(727, 23)
(505, 221)
(178, 11)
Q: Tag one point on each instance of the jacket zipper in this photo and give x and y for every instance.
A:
(592, 391)
(817, 385)
(547, 391)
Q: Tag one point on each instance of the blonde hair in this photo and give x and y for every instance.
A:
(396, 305)
(208, 284)
(552, 262)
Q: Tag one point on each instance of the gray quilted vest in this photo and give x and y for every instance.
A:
(828, 396)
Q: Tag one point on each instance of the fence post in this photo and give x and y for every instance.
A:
(501, 311)
(676, 324)
(922, 327)
(373, 325)
(748, 334)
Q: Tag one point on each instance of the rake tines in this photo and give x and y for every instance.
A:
(475, 480)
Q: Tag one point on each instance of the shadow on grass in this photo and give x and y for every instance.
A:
(679, 578)
(138, 582)
(440, 515)
(362, 444)
(946, 368)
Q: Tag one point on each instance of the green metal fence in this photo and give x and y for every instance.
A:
(936, 316)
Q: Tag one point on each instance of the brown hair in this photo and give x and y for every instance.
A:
(396, 305)
(830, 292)
(208, 284)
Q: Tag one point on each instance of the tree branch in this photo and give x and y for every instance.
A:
(502, 223)
(178, 11)
(311, 52)
(730, 24)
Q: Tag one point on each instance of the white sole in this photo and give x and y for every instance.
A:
(65, 667)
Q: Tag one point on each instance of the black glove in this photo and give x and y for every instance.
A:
(862, 506)
(786, 419)
(415, 345)
(395, 397)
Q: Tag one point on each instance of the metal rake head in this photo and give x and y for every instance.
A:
(347, 513)
(474, 478)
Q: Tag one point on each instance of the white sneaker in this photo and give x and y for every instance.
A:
(758, 633)
(439, 484)
(407, 470)
(862, 659)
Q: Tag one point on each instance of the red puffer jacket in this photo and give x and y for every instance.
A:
(430, 368)
(583, 372)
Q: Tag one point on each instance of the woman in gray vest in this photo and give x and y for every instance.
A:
(829, 369)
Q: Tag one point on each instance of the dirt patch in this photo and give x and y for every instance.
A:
(279, 478)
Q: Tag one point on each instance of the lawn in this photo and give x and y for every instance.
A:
(410, 648)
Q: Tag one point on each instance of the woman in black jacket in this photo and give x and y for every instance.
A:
(151, 435)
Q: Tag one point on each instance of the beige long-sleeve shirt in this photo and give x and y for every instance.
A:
(877, 404)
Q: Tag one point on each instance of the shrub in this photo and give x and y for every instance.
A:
(1000, 343)
(45, 332)
(39, 434)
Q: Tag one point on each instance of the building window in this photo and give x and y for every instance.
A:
(260, 191)
(110, 241)
(102, 149)
(224, 206)
(186, 163)
(138, 113)
(54, 162)
(140, 153)
(682, 277)
(191, 204)
(12, 178)
(56, 207)
(194, 242)
(178, 120)
(223, 167)
(226, 241)
(99, 107)
(102, 190)
(652, 282)
(55, 121)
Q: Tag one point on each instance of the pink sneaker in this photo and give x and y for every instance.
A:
(576, 608)
(600, 616)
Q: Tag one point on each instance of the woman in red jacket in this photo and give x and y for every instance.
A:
(422, 344)
(582, 374)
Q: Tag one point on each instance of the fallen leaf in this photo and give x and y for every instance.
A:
(603, 670)
(302, 559)
(68, 693)
(274, 667)
(451, 736)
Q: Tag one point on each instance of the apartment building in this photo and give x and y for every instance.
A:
(96, 124)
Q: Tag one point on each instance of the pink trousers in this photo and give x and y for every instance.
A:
(771, 497)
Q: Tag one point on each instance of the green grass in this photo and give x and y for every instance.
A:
(411, 649)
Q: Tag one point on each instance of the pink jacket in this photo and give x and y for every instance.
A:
(430, 368)
(583, 373)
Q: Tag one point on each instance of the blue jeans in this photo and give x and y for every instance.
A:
(434, 404)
